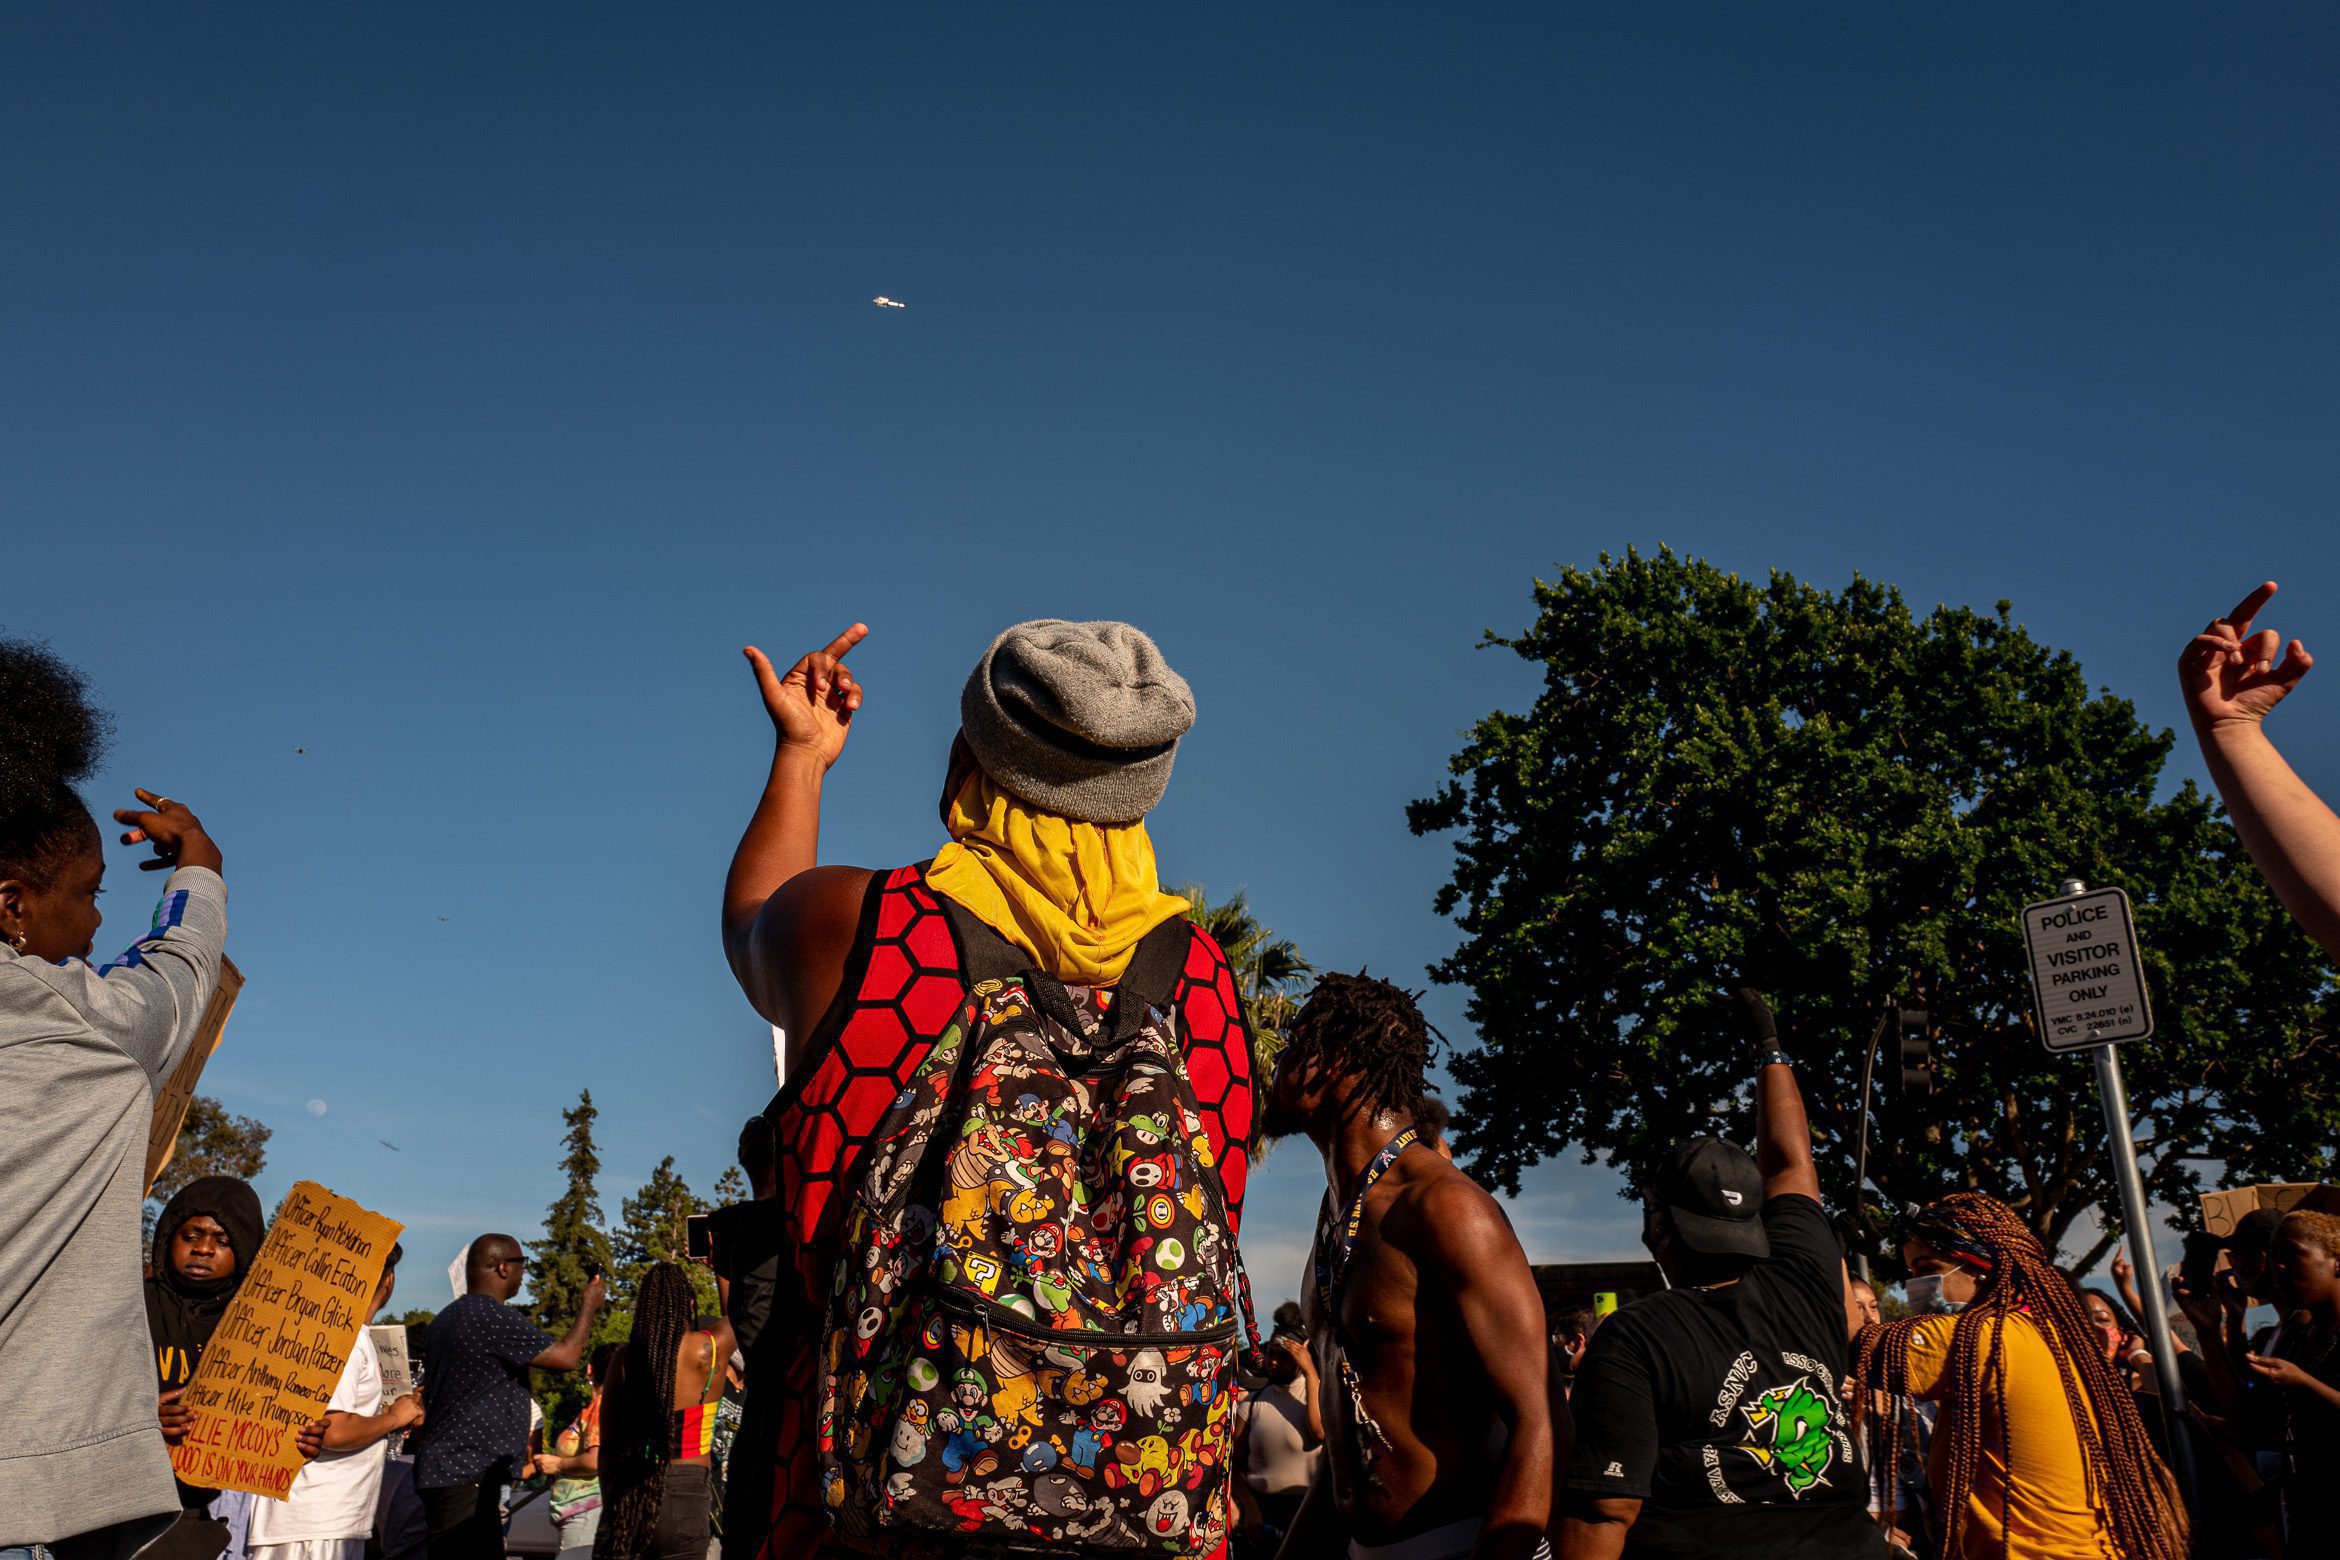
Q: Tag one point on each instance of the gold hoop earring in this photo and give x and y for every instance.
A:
(16, 940)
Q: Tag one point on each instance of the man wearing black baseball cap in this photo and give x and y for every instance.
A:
(1710, 1418)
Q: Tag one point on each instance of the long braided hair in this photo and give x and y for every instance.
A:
(2127, 1479)
(638, 1438)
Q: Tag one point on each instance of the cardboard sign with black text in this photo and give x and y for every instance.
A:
(2087, 974)
(277, 1353)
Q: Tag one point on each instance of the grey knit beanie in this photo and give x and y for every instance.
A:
(1082, 719)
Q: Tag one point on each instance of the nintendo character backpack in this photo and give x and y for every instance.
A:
(1033, 1340)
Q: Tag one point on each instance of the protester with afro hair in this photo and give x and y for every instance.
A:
(82, 1047)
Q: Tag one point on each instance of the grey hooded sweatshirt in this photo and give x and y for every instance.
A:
(82, 1050)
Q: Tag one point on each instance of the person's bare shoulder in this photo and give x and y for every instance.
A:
(1451, 1220)
(802, 938)
(821, 903)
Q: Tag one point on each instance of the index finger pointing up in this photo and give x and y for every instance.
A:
(847, 640)
(2248, 608)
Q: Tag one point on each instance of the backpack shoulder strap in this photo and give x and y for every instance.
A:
(1151, 977)
(983, 953)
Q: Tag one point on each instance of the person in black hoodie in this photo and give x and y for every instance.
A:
(203, 1244)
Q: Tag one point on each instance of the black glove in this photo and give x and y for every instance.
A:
(1762, 1028)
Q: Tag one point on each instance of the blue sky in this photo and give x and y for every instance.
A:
(452, 390)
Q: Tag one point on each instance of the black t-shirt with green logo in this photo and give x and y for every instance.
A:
(1721, 1410)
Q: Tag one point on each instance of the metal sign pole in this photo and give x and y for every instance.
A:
(2140, 1232)
(2115, 1095)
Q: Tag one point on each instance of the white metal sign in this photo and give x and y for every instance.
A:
(2087, 976)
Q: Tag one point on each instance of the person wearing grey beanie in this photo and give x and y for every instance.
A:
(1068, 733)
(1082, 719)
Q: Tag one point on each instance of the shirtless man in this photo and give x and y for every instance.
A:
(1416, 1275)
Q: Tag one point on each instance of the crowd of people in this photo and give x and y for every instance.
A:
(988, 1293)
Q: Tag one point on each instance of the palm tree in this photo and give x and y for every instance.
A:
(1271, 975)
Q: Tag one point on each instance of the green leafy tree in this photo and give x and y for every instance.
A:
(653, 1228)
(1845, 803)
(1271, 975)
(730, 1187)
(573, 1243)
(212, 1141)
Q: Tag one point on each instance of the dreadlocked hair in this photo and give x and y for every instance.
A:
(1372, 1029)
(638, 1419)
(2127, 1479)
(51, 737)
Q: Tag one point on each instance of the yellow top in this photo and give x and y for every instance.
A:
(2032, 1467)
(1076, 896)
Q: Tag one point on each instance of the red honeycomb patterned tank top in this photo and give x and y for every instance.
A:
(900, 991)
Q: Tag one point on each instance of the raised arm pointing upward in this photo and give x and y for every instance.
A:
(788, 922)
(2232, 680)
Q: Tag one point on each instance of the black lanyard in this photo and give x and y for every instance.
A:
(1330, 1269)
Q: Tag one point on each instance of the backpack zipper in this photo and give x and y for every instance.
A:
(1007, 1318)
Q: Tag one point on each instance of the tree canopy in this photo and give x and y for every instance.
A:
(1843, 802)
(1271, 975)
(212, 1141)
(654, 1227)
(573, 1239)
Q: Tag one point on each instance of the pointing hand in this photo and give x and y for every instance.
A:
(813, 704)
(2230, 674)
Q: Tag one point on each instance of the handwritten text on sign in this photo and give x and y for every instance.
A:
(271, 1366)
(2087, 976)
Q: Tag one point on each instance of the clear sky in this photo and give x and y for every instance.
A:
(451, 390)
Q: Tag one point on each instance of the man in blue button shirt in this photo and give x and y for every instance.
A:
(475, 1399)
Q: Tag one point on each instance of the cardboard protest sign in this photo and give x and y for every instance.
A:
(397, 1371)
(172, 1099)
(397, 1364)
(2223, 1211)
(272, 1363)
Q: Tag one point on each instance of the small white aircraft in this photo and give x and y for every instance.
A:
(884, 302)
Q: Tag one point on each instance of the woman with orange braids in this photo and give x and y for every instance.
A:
(658, 1426)
(2039, 1451)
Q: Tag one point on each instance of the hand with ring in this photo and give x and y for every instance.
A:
(172, 829)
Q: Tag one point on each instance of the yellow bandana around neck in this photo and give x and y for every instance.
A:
(1076, 896)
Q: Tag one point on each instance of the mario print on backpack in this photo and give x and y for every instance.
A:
(1041, 1349)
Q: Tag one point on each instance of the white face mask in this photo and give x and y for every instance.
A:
(1925, 1296)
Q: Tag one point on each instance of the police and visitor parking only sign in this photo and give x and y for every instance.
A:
(2087, 976)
